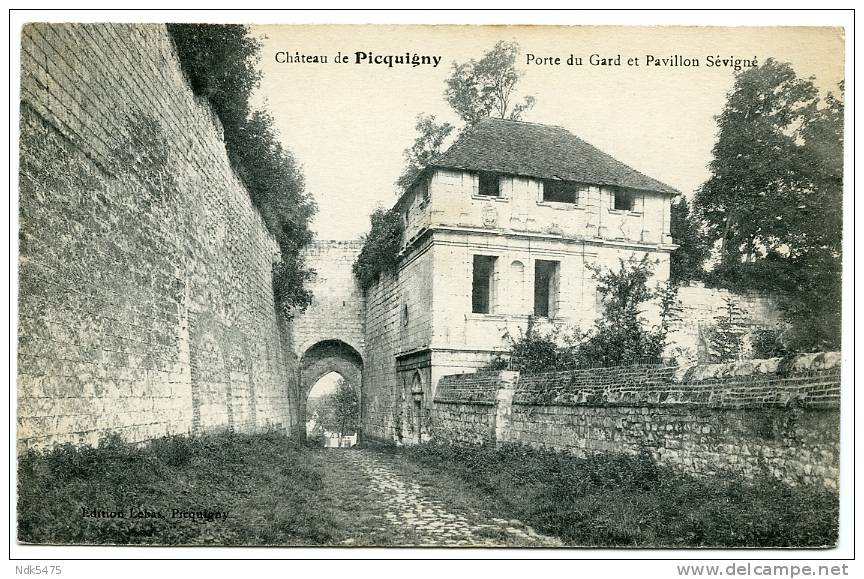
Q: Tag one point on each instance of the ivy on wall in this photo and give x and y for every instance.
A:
(380, 253)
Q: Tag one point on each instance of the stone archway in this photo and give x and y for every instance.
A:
(323, 358)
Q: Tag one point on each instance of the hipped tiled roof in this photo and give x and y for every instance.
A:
(541, 151)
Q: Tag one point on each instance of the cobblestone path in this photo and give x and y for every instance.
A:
(410, 513)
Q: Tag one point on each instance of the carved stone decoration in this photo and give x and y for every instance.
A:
(490, 215)
(518, 222)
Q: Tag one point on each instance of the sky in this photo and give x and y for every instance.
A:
(326, 384)
(348, 124)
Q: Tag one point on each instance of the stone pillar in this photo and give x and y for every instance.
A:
(503, 405)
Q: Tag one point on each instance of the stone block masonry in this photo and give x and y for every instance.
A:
(700, 308)
(338, 304)
(145, 290)
(770, 416)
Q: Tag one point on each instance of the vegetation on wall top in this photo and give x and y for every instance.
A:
(219, 62)
(381, 248)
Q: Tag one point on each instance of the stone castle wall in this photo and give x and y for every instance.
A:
(745, 418)
(337, 310)
(398, 324)
(145, 290)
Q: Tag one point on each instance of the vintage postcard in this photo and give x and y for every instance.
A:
(429, 286)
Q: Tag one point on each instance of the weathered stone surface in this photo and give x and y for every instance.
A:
(784, 422)
(146, 301)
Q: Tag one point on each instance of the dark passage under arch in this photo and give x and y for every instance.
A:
(322, 358)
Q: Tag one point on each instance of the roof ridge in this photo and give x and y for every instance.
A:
(498, 119)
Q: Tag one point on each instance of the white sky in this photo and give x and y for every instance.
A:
(348, 124)
(325, 385)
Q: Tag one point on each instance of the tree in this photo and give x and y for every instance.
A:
(340, 411)
(620, 335)
(726, 338)
(430, 137)
(687, 262)
(755, 190)
(475, 90)
(773, 202)
(479, 89)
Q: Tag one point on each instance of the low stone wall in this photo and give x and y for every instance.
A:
(466, 406)
(749, 418)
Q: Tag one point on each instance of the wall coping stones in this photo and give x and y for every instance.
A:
(800, 363)
(808, 380)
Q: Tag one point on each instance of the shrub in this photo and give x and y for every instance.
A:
(219, 62)
(615, 500)
(251, 476)
(726, 337)
(536, 351)
(767, 343)
(619, 336)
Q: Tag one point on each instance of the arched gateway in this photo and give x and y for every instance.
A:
(328, 336)
(323, 358)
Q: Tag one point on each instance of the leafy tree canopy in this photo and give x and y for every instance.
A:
(687, 262)
(482, 88)
(476, 89)
(760, 193)
(773, 202)
(430, 137)
(339, 411)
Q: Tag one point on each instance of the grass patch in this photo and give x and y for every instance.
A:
(617, 500)
(271, 488)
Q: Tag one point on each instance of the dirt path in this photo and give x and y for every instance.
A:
(401, 511)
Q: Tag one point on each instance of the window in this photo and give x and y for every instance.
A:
(489, 184)
(482, 284)
(623, 200)
(558, 191)
(545, 288)
(422, 189)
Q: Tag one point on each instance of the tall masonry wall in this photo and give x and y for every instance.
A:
(761, 416)
(398, 337)
(145, 290)
(338, 305)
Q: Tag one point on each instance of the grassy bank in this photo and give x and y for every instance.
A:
(270, 487)
(629, 501)
(269, 490)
